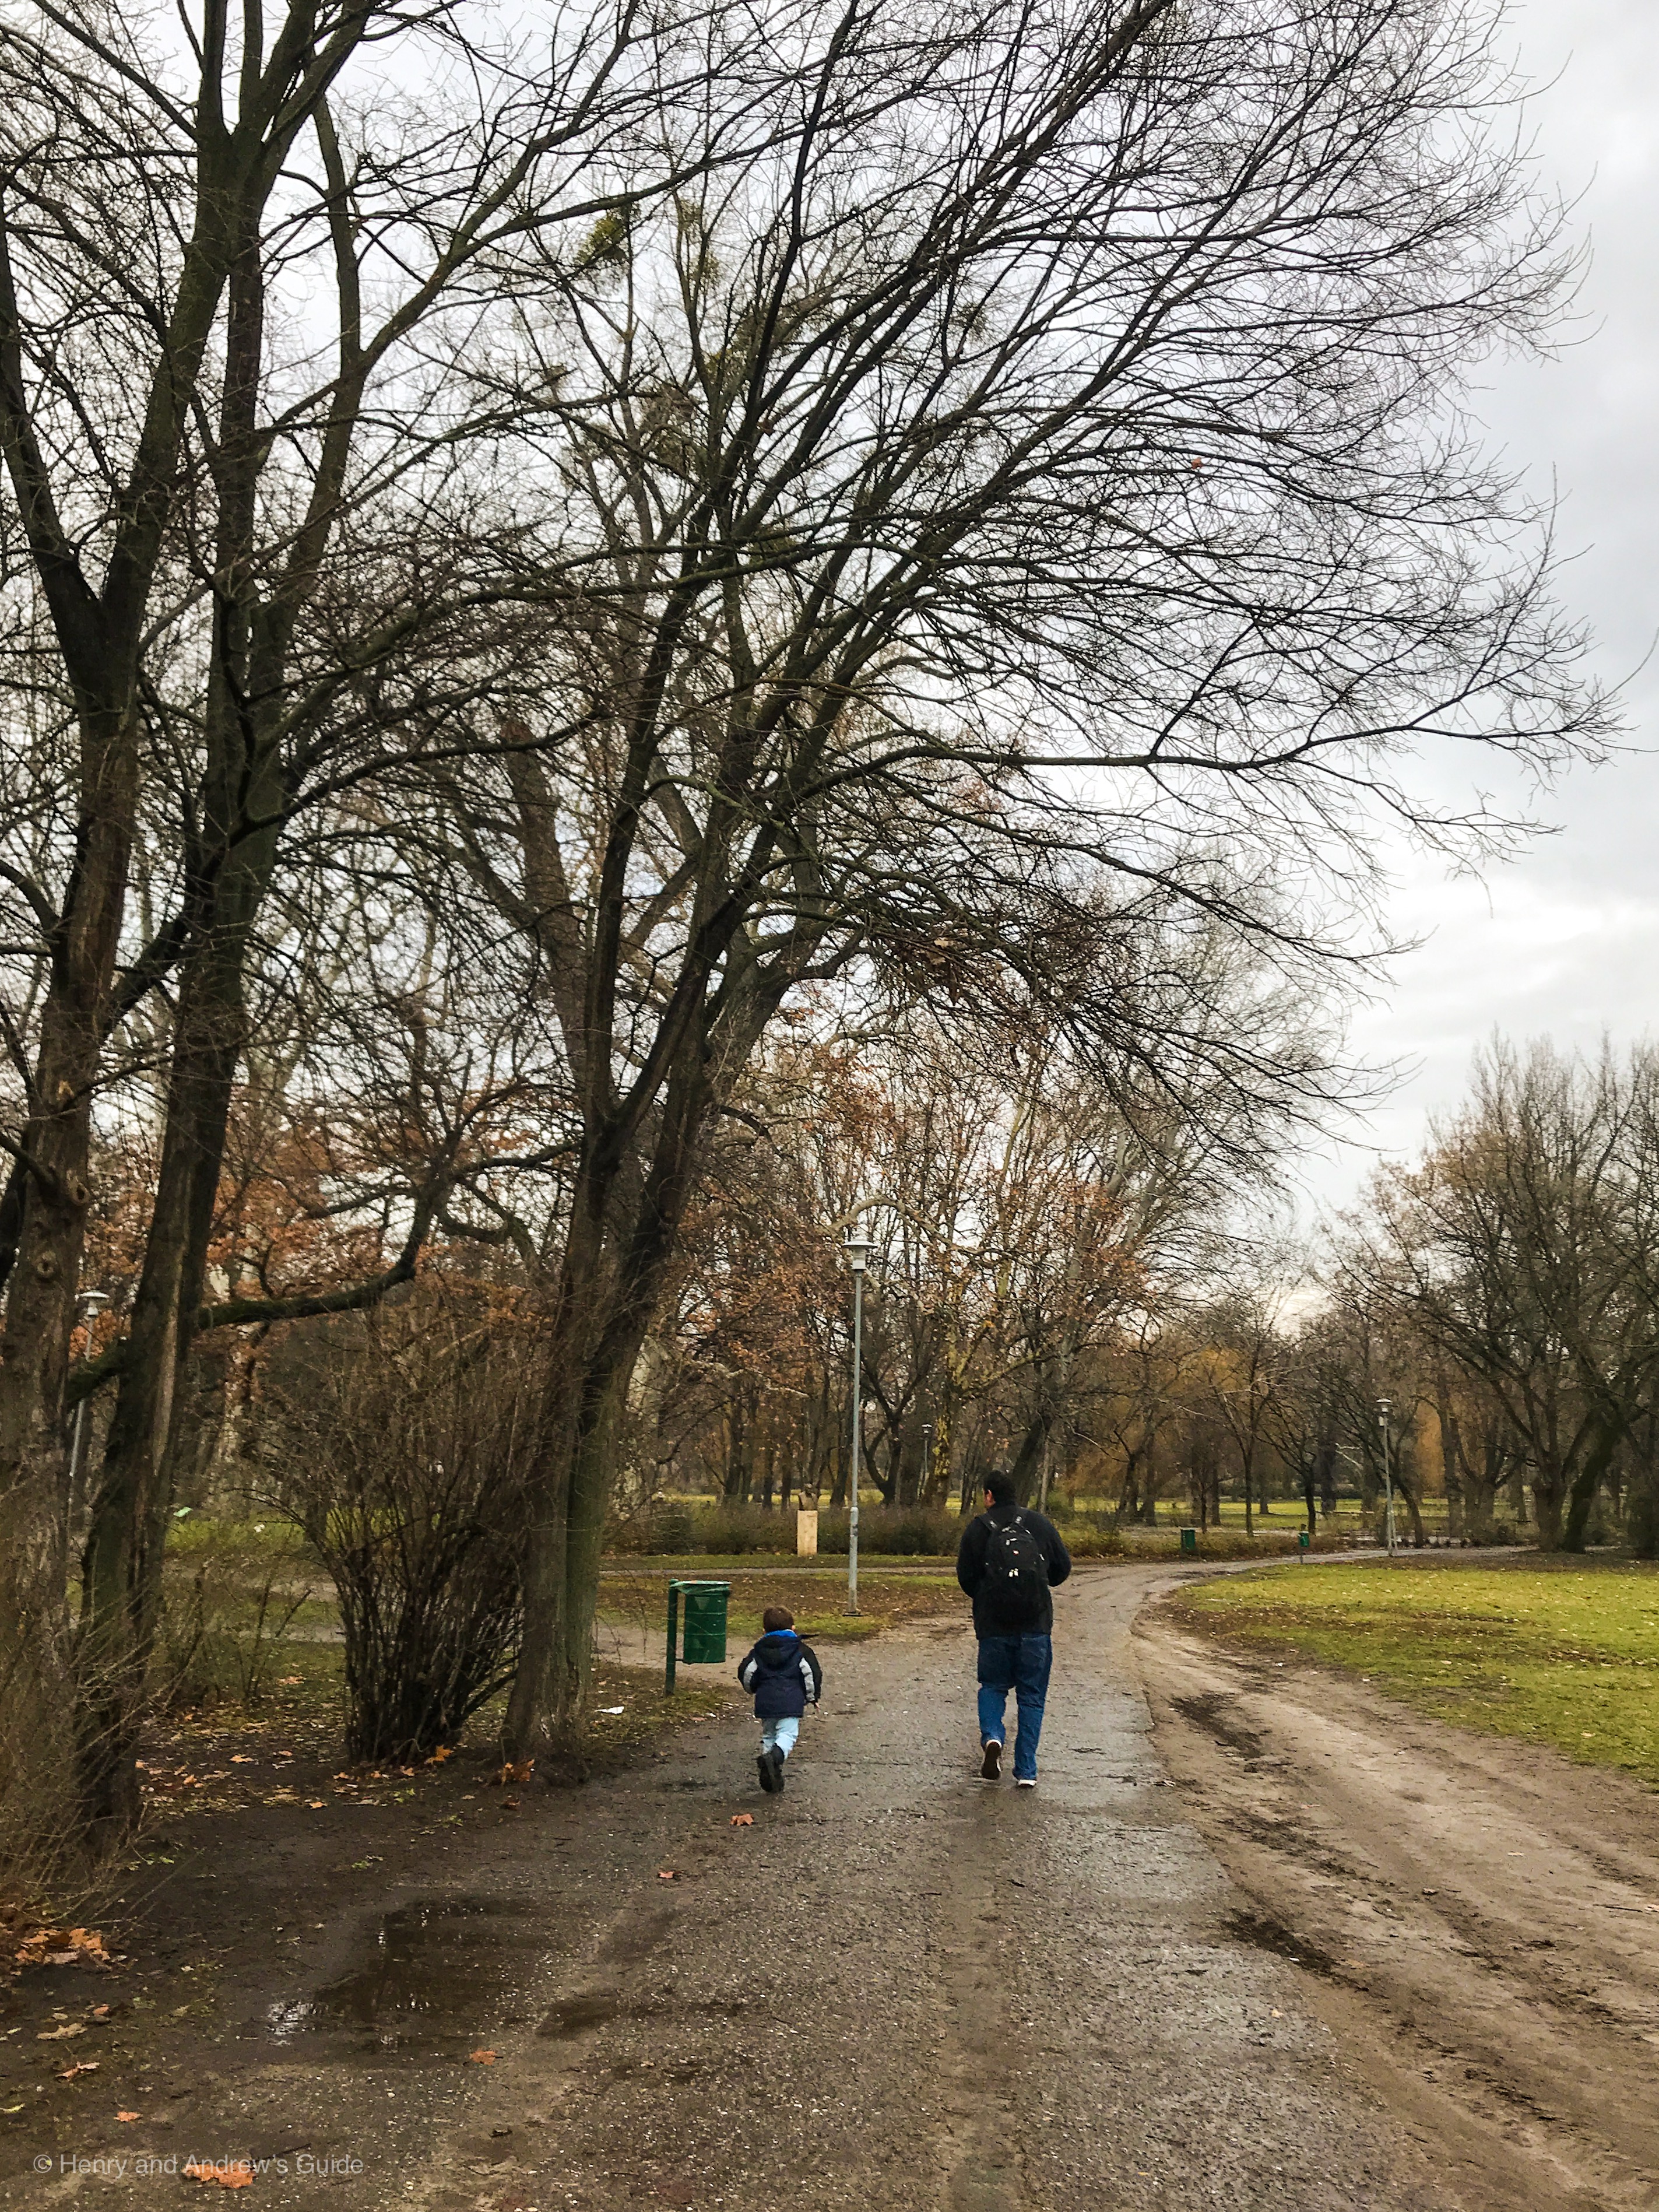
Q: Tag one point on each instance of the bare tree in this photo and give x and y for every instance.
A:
(294, 578)
(1000, 532)
(1523, 1250)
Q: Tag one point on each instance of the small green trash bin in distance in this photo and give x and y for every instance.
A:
(1303, 1540)
(1189, 1539)
(705, 1622)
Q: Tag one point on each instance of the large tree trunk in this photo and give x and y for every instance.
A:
(1582, 1497)
(1549, 1491)
(40, 1303)
(229, 876)
(608, 1295)
(122, 1564)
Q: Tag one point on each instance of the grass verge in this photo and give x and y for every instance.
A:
(1564, 1654)
(640, 1595)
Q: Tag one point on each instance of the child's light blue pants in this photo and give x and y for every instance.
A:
(780, 1734)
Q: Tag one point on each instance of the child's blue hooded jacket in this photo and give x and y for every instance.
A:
(784, 1673)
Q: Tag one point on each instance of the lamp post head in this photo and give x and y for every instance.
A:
(1385, 1407)
(858, 1250)
(92, 1303)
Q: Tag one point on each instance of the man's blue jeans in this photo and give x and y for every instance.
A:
(1020, 1664)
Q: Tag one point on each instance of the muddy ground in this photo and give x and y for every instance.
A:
(899, 1988)
(1480, 1916)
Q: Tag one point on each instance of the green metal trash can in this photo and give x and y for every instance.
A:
(1303, 1540)
(705, 1622)
(704, 1642)
(1189, 1539)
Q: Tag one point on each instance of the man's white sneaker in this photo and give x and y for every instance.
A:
(1022, 1781)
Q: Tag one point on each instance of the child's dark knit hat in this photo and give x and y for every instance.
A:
(776, 1618)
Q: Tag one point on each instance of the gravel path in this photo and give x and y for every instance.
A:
(904, 1988)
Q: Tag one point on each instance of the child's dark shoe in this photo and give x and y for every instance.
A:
(777, 1769)
(763, 1768)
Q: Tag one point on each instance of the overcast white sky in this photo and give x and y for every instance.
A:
(1565, 940)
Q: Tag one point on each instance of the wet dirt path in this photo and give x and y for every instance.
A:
(900, 1988)
(1484, 1912)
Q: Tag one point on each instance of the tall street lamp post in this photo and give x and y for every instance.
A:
(857, 1253)
(1384, 1411)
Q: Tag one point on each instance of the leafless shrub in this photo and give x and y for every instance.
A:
(402, 1437)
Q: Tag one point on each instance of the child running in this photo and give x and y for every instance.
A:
(785, 1675)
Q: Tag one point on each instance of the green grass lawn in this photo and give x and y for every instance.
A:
(818, 1603)
(1564, 1654)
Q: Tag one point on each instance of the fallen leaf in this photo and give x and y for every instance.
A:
(101, 2012)
(613, 1710)
(289, 1681)
(81, 2066)
(232, 2175)
(241, 1758)
(517, 1770)
(444, 1751)
(742, 1820)
(666, 1873)
(63, 1947)
(315, 1804)
(57, 2034)
(482, 2057)
(127, 2116)
(510, 1804)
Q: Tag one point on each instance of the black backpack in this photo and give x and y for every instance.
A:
(1016, 1569)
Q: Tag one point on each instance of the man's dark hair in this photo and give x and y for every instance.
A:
(776, 1617)
(1000, 1483)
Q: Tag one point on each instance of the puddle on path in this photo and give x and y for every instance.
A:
(436, 1979)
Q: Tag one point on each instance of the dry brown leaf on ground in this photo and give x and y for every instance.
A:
(57, 2034)
(62, 1946)
(742, 1820)
(127, 2116)
(516, 1770)
(81, 2066)
(444, 1751)
(666, 1873)
(481, 2058)
(231, 2175)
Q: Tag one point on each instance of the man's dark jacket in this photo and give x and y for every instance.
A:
(991, 1606)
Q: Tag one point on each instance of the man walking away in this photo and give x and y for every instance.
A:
(1008, 1562)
